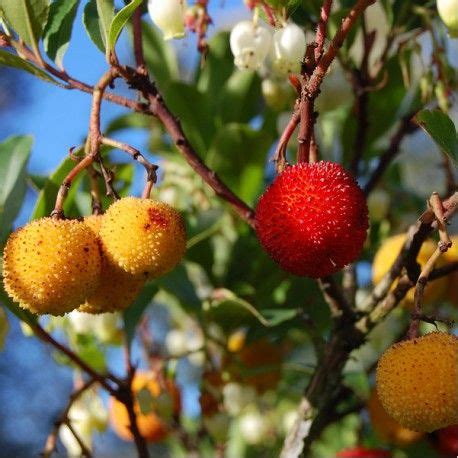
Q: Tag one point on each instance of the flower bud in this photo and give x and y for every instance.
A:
(288, 49)
(250, 45)
(168, 15)
(448, 12)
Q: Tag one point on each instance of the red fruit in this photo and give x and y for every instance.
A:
(363, 452)
(313, 219)
(448, 441)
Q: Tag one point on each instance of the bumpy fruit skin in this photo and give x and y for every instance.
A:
(389, 251)
(143, 236)
(417, 382)
(50, 266)
(151, 427)
(363, 452)
(117, 289)
(388, 429)
(313, 219)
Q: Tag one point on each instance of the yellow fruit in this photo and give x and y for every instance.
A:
(51, 266)
(143, 236)
(389, 251)
(388, 429)
(117, 288)
(452, 256)
(150, 425)
(417, 382)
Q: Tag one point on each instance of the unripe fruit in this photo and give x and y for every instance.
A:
(448, 12)
(417, 382)
(150, 425)
(387, 254)
(388, 429)
(363, 452)
(249, 44)
(51, 266)
(277, 94)
(118, 288)
(169, 16)
(143, 236)
(313, 219)
(288, 49)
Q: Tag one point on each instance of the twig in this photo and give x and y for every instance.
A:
(419, 291)
(95, 193)
(108, 178)
(335, 298)
(150, 168)
(280, 152)
(320, 36)
(85, 452)
(102, 379)
(51, 441)
(94, 139)
(138, 39)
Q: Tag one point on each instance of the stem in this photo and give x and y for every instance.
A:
(320, 36)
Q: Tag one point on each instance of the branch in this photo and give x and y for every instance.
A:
(150, 168)
(320, 36)
(102, 379)
(51, 441)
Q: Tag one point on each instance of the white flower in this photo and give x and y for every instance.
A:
(448, 12)
(168, 15)
(250, 45)
(288, 49)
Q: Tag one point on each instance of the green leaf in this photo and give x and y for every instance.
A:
(58, 29)
(105, 10)
(14, 155)
(441, 129)
(120, 21)
(160, 57)
(178, 284)
(198, 124)
(133, 314)
(240, 97)
(47, 196)
(11, 60)
(27, 18)
(91, 24)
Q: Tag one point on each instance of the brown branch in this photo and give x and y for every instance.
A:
(85, 452)
(95, 192)
(94, 141)
(138, 39)
(320, 35)
(280, 152)
(334, 46)
(335, 298)
(150, 168)
(102, 379)
(422, 281)
(51, 441)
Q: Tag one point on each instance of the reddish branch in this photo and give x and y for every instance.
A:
(63, 419)
(320, 36)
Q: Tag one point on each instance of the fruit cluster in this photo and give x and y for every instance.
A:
(53, 266)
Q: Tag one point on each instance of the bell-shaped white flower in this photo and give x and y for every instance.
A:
(288, 49)
(250, 44)
(448, 12)
(169, 16)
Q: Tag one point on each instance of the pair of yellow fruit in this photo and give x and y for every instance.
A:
(52, 266)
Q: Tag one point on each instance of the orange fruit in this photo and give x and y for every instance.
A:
(386, 427)
(151, 426)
